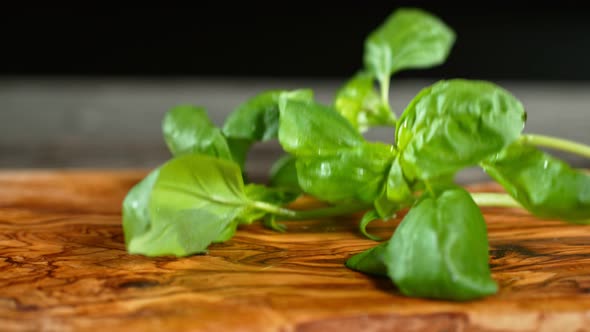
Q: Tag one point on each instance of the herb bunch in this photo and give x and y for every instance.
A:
(440, 249)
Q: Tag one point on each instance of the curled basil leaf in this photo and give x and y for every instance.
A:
(544, 185)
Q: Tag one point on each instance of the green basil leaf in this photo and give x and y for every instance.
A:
(136, 218)
(261, 193)
(187, 129)
(397, 187)
(228, 232)
(396, 193)
(358, 102)
(257, 119)
(370, 261)
(368, 217)
(386, 208)
(270, 222)
(184, 233)
(239, 149)
(353, 174)
(544, 185)
(440, 249)
(310, 129)
(455, 124)
(193, 201)
(408, 39)
(283, 174)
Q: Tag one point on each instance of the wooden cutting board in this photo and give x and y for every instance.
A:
(63, 267)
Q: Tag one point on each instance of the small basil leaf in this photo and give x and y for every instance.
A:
(385, 207)
(283, 174)
(348, 174)
(311, 129)
(261, 193)
(239, 149)
(455, 124)
(368, 217)
(370, 261)
(544, 185)
(397, 187)
(358, 102)
(440, 249)
(193, 201)
(270, 222)
(188, 129)
(397, 193)
(257, 119)
(136, 219)
(409, 38)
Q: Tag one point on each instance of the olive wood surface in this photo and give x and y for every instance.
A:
(63, 267)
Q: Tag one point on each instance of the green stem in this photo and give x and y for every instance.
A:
(495, 199)
(384, 87)
(288, 214)
(556, 143)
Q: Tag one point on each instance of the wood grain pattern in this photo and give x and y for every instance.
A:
(63, 267)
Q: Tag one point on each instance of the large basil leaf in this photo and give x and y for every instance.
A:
(409, 38)
(544, 185)
(194, 200)
(187, 129)
(358, 102)
(440, 249)
(455, 124)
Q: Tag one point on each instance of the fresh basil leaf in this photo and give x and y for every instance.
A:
(397, 187)
(270, 222)
(370, 261)
(396, 193)
(408, 39)
(358, 102)
(386, 208)
(257, 119)
(136, 219)
(188, 129)
(283, 174)
(455, 124)
(440, 249)
(261, 193)
(193, 201)
(310, 129)
(348, 174)
(368, 217)
(544, 185)
(239, 149)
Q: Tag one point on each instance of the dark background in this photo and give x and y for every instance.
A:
(496, 40)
